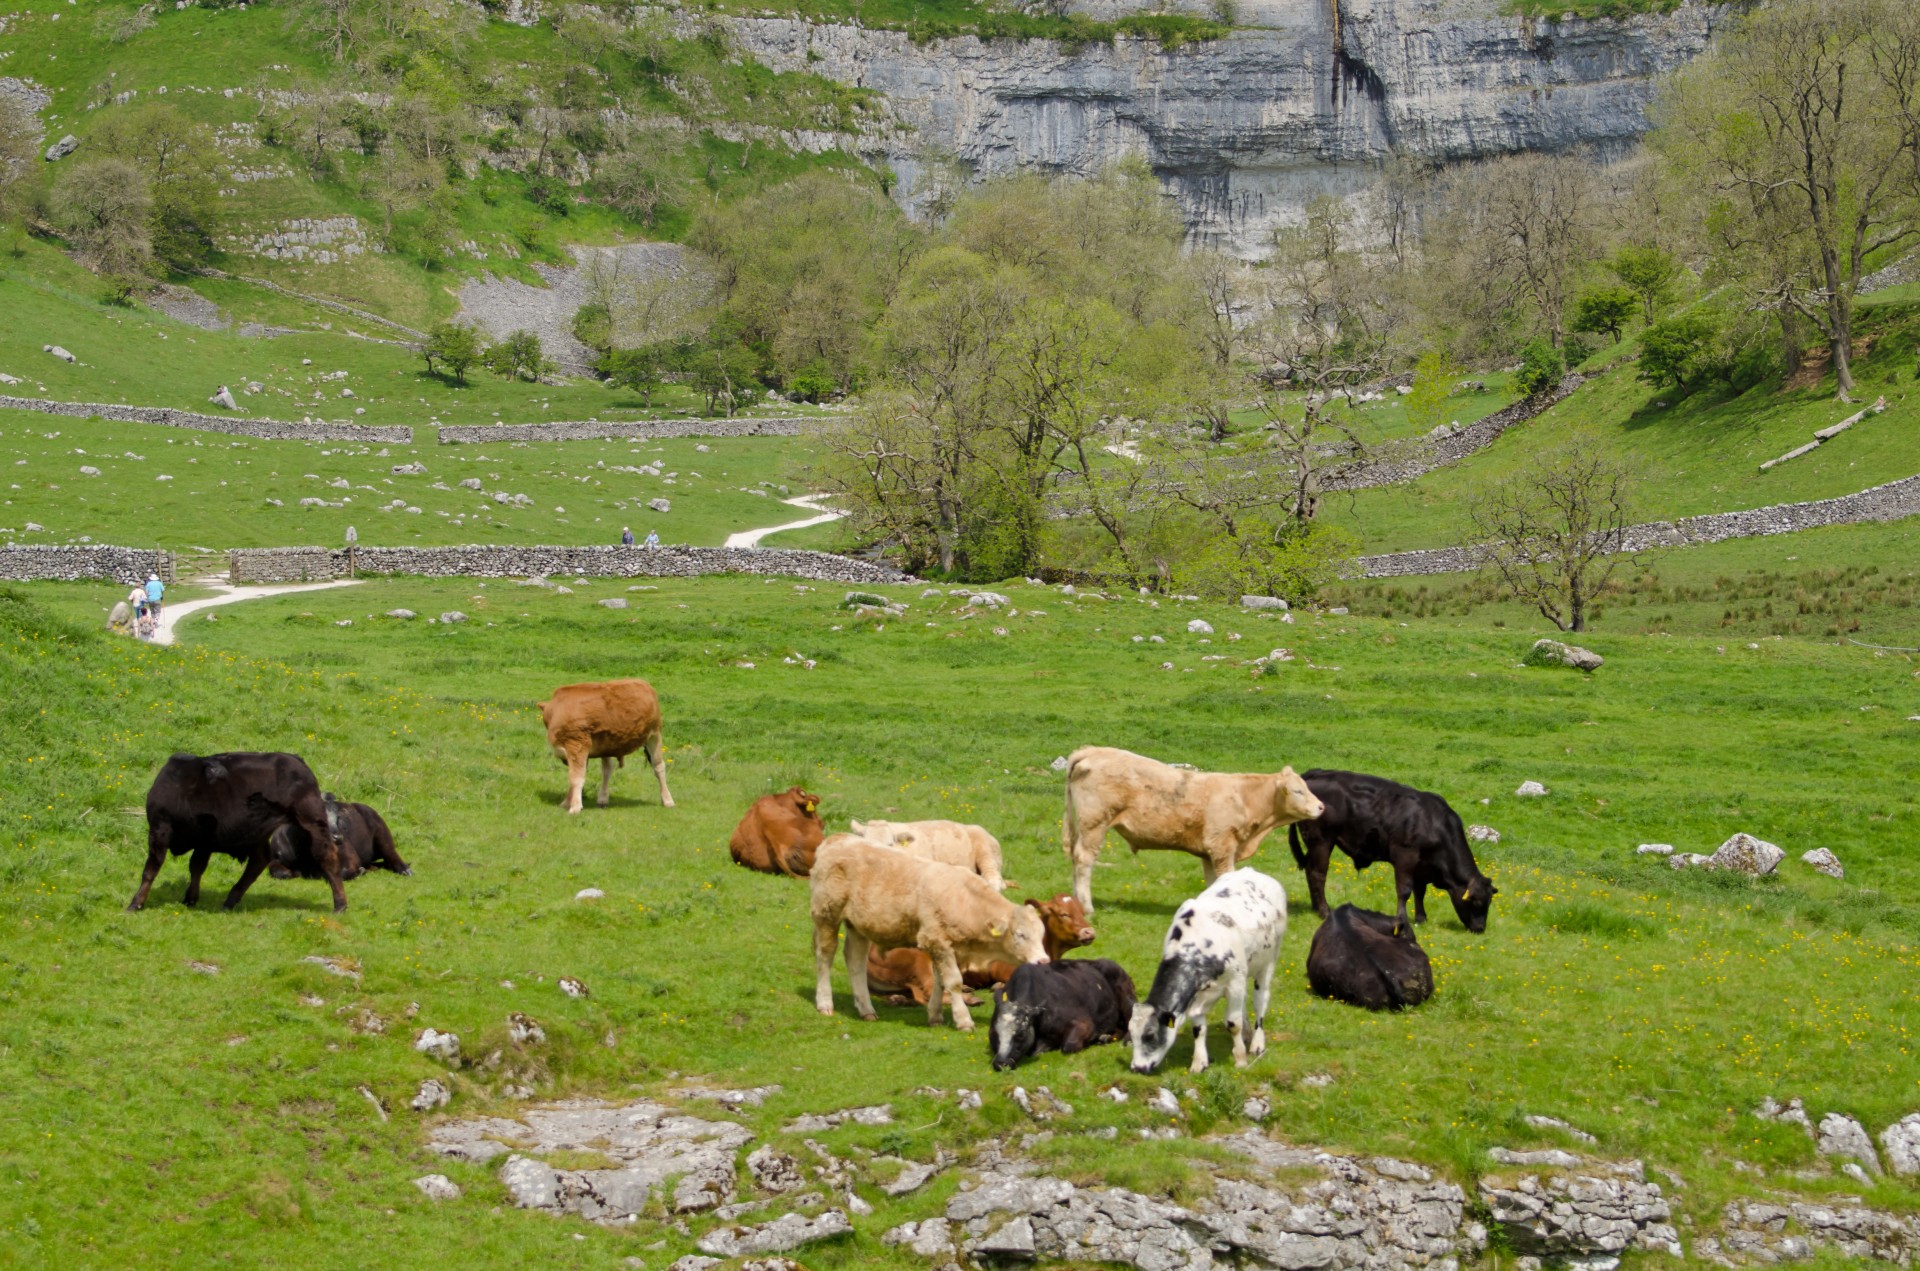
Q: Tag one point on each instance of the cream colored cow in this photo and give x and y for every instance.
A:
(949, 842)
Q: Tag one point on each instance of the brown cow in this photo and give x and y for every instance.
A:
(779, 833)
(606, 722)
(949, 842)
(908, 973)
(1218, 816)
(888, 898)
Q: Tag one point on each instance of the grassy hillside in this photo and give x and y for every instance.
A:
(250, 1137)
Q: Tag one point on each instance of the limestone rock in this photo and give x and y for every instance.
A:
(433, 1094)
(442, 1046)
(1654, 849)
(1792, 1112)
(774, 1171)
(589, 893)
(660, 505)
(1841, 1135)
(1900, 1142)
(1555, 653)
(409, 469)
(915, 1176)
(525, 1030)
(1746, 854)
(1688, 860)
(437, 1187)
(62, 148)
(58, 352)
(88, 470)
(1825, 861)
(1531, 790)
(1483, 834)
(789, 1231)
(613, 602)
(531, 1184)
(224, 399)
(1262, 602)
(453, 615)
(402, 614)
(1199, 626)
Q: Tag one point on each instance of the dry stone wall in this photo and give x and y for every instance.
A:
(639, 430)
(25, 562)
(269, 429)
(299, 564)
(1440, 451)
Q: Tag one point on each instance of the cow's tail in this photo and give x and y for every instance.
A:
(1293, 842)
(1069, 819)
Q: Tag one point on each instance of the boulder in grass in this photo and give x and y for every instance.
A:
(1555, 653)
(453, 615)
(1199, 626)
(614, 602)
(1654, 849)
(1531, 790)
(58, 352)
(1745, 854)
(854, 599)
(1262, 602)
(1483, 834)
(1825, 861)
(1900, 1143)
(62, 148)
(402, 614)
(660, 505)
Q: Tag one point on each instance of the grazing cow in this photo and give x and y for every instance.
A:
(607, 722)
(1357, 957)
(1218, 816)
(888, 898)
(908, 973)
(780, 833)
(949, 842)
(1227, 935)
(1063, 1006)
(360, 833)
(1374, 819)
(233, 804)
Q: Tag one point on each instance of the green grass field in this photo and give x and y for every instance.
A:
(1649, 1007)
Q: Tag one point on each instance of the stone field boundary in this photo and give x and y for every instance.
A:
(67, 563)
(302, 564)
(636, 430)
(242, 426)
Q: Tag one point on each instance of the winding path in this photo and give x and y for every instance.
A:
(811, 502)
(230, 595)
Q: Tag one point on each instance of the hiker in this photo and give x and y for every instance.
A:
(626, 536)
(653, 538)
(155, 590)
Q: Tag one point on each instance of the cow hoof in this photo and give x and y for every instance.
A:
(666, 803)
(825, 1010)
(134, 909)
(868, 1016)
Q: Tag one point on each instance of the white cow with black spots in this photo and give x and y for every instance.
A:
(1227, 935)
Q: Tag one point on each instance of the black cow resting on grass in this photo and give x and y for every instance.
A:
(1357, 957)
(364, 840)
(233, 804)
(1374, 819)
(1064, 1006)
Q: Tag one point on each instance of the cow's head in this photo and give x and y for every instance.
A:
(1021, 935)
(1152, 1032)
(807, 805)
(1293, 800)
(1014, 1036)
(1473, 901)
(1065, 921)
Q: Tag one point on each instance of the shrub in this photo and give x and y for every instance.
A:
(1540, 367)
(1678, 352)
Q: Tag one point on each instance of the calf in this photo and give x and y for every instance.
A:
(1063, 1006)
(1218, 816)
(1227, 935)
(908, 973)
(234, 804)
(360, 834)
(607, 722)
(888, 898)
(1374, 819)
(780, 833)
(949, 842)
(1369, 959)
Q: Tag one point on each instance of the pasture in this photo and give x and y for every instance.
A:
(161, 1115)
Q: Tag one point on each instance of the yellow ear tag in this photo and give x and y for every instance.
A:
(810, 807)
(1464, 896)
(996, 931)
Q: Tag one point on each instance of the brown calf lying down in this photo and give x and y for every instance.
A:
(780, 833)
(907, 974)
(1218, 816)
(885, 897)
(607, 722)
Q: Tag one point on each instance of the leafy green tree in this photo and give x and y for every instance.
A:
(1679, 352)
(642, 369)
(1604, 309)
(1651, 274)
(593, 326)
(1433, 379)
(103, 206)
(723, 371)
(455, 346)
(1540, 367)
(813, 382)
(518, 356)
(177, 155)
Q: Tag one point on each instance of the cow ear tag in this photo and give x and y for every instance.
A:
(996, 931)
(810, 805)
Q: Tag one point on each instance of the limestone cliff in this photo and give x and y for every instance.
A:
(1308, 96)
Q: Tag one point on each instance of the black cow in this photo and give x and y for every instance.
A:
(1374, 819)
(233, 804)
(1357, 957)
(1064, 1006)
(361, 833)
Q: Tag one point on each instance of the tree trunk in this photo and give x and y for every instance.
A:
(1793, 339)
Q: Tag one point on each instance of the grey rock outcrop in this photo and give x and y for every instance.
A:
(1556, 653)
(1758, 1232)
(1825, 861)
(62, 148)
(1604, 1209)
(1745, 854)
(1900, 1143)
(1842, 1136)
(437, 1187)
(789, 1231)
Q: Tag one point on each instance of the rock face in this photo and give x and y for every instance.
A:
(1605, 1209)
(1310, 97)
(1756, 1232)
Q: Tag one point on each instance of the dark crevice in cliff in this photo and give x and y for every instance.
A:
(1355, 82)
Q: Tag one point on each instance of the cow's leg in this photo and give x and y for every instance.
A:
(1079, 1034)
(196, 866)
(657, 756)
(1402, 888)
(255, 864)
(606, 779)
(159, 835)
(1420, 901)
(576, 779)
(946, 969)
(826, 940)
(1083, 846)
(1199, 1063)
(1319, 856)
(1237, 1018)
(1262, 990)
(858, 946)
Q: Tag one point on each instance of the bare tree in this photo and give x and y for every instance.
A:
(1556, 530)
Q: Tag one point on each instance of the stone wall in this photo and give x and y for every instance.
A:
(1438, 452)
(25, 562)
(1889, 502)
(299, 564)
(637, 430)
(269, 429)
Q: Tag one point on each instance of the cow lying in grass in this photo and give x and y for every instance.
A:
(1418, 833)
(1063, 1006)
(607, 722)
(907, 974)
(780, 833)
(1370, 960)
(1222, 939)
(1218, 816)
(233, 804)
(886, 897)
(360, 834)
(949, 842)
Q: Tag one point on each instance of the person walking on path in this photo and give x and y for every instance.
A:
(155, 590)
(626, 536)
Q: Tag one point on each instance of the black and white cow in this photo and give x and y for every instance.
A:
(1227, 935)
(1062, 1005)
